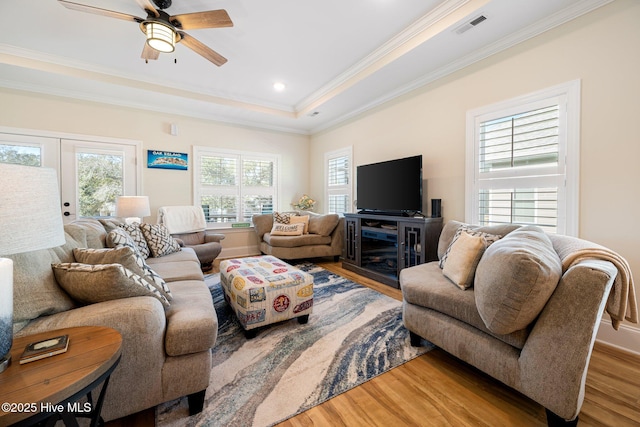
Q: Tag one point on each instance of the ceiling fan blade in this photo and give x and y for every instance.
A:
(148, 7)
(210, 19)
(149, 53)
(202, 49)
(99, 11)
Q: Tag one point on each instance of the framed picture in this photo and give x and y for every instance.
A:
(167, 160)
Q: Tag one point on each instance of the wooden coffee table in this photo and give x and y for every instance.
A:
(52, 386)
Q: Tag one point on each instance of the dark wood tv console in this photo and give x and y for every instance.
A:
(380, 246)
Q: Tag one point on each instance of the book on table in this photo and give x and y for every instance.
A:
(45, 348)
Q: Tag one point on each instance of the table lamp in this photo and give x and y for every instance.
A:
(132, 208)
(30, 219)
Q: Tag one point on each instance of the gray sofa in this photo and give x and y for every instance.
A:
(528, 313)
(325, 237)
(165, 352)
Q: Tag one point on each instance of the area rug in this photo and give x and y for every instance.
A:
(354, 334)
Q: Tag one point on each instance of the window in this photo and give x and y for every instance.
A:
(338, 181)
(232, 186)
(522, 161)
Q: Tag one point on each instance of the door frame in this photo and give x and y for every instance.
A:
(82, 137)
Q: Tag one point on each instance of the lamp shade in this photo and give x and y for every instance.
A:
(30, 219)
(132, 206)
(30, 214)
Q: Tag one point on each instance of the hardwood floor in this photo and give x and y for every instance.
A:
(437, 389)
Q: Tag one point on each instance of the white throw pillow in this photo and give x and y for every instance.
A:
(287, 229)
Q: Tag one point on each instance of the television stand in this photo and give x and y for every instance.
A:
(379, 246)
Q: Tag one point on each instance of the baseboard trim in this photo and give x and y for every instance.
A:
(239, 252)
(626, 338)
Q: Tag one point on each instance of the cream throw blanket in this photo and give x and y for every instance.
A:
(621, 304)
(182, 219)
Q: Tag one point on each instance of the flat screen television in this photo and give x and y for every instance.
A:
(394, 186)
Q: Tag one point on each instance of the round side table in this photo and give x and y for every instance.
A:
(50, 388)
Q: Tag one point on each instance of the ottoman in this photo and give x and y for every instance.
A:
(263, 290)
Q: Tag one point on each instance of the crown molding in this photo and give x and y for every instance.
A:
(568, 14)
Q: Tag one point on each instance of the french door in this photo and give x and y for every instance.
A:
(91, 173)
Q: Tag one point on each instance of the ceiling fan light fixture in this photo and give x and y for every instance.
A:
(161, 37)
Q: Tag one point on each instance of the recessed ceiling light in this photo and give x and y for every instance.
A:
(279, 86)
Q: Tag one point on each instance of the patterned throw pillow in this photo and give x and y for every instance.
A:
(91, 284)
(129, 259)
(487, 238)
(159, 240)
(283, 217)
(136, 234)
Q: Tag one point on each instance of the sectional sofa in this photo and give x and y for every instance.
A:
(166, 344)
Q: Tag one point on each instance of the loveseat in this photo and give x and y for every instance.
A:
(521, 305)
(323, 236)
(165, 350)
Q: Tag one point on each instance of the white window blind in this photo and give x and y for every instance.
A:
(523, 160)
(338, 181)
(233, 186)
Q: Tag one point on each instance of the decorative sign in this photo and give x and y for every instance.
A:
(167, 160)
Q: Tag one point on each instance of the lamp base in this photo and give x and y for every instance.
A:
(4, 362)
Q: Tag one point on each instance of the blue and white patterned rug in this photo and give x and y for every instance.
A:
(354, 334)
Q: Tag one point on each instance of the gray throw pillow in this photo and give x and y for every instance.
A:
(125, 256)
(515, 278)
(91, 284)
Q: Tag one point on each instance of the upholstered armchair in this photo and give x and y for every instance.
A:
(188, 225)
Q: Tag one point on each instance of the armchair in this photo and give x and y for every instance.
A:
(187, 225)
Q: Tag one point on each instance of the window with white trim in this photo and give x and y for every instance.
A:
(523, 159)
(232, 186)
(338, 188)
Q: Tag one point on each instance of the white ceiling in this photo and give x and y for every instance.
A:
(337, 58)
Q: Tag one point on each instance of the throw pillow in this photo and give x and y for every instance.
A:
(515, 278)
(287, 229)
(488, 240)
(304, 219)
(159, 240)
(283, 217)
(125, 256)
(91, 284)
(464, 254)
(136, 234)
(323, 224)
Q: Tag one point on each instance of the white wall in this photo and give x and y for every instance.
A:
(164, 187)
(602, 49)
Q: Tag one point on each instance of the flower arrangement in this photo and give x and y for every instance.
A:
(305, 203)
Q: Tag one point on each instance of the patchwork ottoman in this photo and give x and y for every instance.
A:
(263, 290)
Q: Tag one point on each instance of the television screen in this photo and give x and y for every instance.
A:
(391, 186)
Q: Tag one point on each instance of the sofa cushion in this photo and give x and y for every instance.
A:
(35, 290)
(462, 259)
(91, 284)
(136, 234)
(125, 256)
(296, 241)
(323, 224)
(192, 324)
(425, 286)
(183, 265)
(159, 240)
(515, 278)
(279, 229)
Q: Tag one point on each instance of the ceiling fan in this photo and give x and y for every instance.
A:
(164, 31)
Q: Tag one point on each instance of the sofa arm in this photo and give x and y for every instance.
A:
(554, 361)
(141, 322)
(262, 223)
(213, 237)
